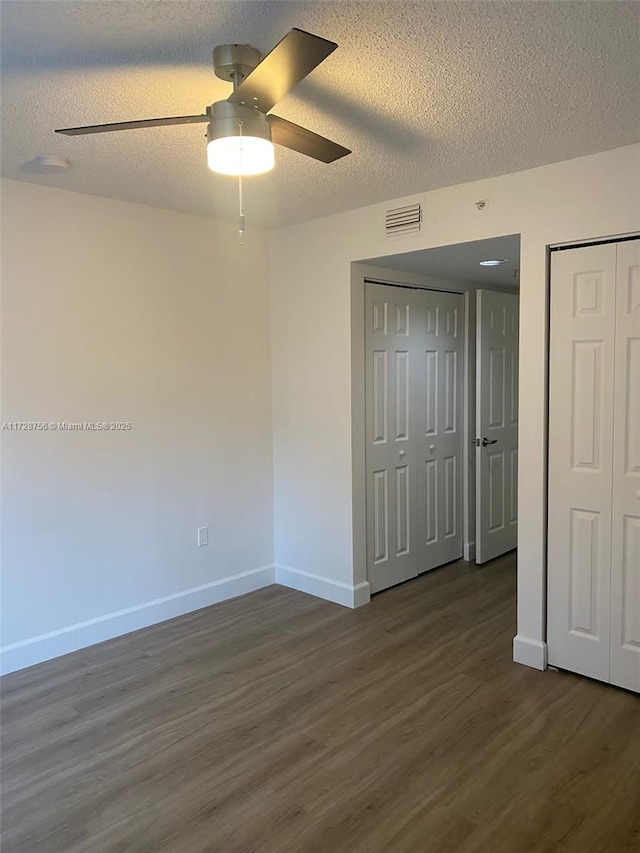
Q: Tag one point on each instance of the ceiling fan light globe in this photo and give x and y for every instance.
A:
(240, 155)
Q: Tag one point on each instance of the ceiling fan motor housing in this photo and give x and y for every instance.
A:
(234, 62)
(226, 119)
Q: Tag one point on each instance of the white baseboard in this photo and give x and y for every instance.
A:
(469, 551)
(321, 587)
(530, 652)
(46, 646)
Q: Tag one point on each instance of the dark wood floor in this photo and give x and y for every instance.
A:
(280, 723)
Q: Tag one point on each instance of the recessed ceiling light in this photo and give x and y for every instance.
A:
(493, 262)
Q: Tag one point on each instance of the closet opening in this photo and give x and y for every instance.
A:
(435, 408)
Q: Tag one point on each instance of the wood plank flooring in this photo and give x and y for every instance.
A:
(280, 723)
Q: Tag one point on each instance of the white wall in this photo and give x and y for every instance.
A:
(113, 311)
(311, 314)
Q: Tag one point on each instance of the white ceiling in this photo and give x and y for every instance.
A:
(461, 262)
(427, 94)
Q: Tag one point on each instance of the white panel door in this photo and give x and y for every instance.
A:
(496, 424)
(625, 525)
(414, 370)
(440, 406)
(581, 370)
(392, 355)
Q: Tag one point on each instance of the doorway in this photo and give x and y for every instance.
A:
(422, 448)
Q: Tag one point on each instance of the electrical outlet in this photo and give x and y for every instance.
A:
(203, 536)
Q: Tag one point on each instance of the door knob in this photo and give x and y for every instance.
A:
(486, 441)
(402, 453)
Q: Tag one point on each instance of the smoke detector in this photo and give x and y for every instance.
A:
(47, 164)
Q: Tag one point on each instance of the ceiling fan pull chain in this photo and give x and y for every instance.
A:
(240, 199)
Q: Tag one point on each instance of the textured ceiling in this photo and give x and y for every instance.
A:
(427, 94)
(462, 262)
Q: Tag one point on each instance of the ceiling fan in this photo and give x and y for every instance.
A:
(240, 133)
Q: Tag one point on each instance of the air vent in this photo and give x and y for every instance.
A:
(403, 220)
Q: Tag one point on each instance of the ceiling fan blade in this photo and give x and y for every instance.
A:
(304, 141)
(295, 56)
(133, 125)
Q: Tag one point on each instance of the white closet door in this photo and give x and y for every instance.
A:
(496, 424)
(580, 458)
(414, 348)
(440, 408)
(392, 384)
(625, 553)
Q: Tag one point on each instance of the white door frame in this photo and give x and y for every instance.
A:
(359, 273)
